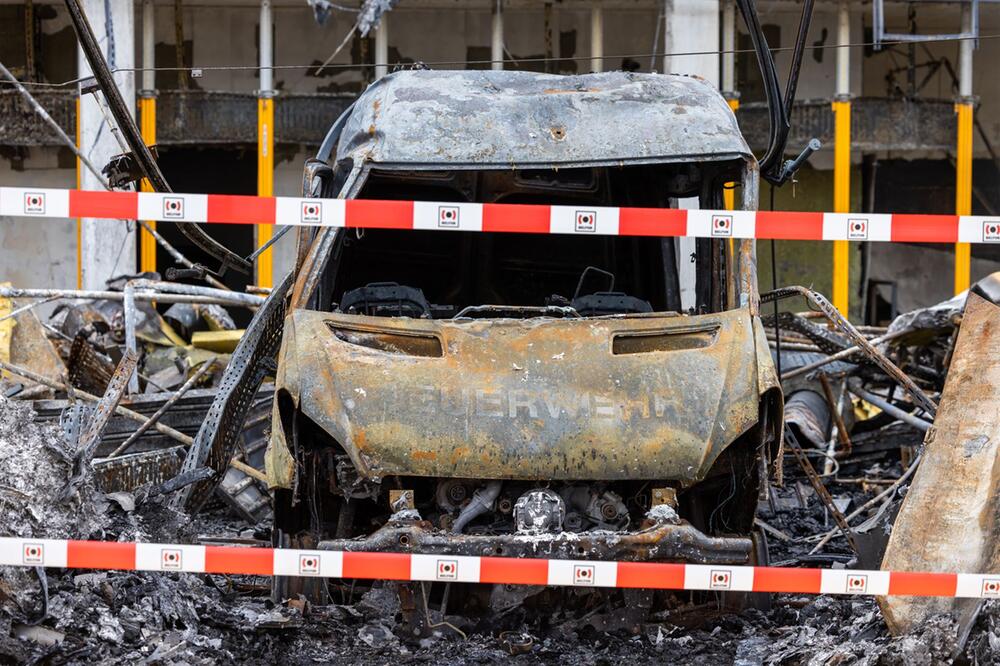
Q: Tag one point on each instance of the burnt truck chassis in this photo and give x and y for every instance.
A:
(665, 539)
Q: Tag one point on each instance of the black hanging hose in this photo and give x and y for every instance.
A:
(779, 106)
(805, 19)
(130, 132)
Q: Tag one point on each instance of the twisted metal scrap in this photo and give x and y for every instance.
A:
(253, 358)
(839, 321)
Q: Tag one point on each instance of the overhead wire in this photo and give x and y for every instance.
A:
(71, 145)
(510, 61)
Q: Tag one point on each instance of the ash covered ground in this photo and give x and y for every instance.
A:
(157, 618)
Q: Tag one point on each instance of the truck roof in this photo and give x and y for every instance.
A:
(475, 119)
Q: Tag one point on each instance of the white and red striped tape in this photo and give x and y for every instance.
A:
(523, 218)
(504, 570)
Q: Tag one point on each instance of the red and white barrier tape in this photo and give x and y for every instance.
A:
(521, 218)
(402, 566)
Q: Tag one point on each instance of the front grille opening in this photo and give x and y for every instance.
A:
(407, 344)
(663, 341)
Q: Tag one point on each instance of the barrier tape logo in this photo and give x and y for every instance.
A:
(991, 587)
(583, 574)
(991, 231)
(720, 579)
(447, 569)
(857, 228)
(34, 553)
(586, 220)
(170, 559)
(173, 208)
(857, 584)
(448, 217)
(34, 203)
(722, 225)
(312, 211)
(309, 565)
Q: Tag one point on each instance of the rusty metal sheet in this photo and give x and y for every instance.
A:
(639, 397)
(948, 519)
(128, 472)
(88, 370)
(29, 346)
(106, 407)
(479, 119)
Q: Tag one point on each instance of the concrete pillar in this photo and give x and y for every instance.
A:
(728, 85)
(382, 47)
(107, 248)
(965, 48)
(266, 47)
(148, 45)
(496, 36)
(842, 156)
(965, 108)
(843, 53)
(147, 123)
(596, 39)
(265, 141)
(691, 26)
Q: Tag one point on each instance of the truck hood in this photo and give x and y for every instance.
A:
(632, 397)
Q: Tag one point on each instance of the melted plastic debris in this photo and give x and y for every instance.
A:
(662, 513)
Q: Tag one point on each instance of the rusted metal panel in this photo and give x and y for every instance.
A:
(30, 346)
(128, 472)
(186, 416)
(524, 398)
(109, 401)
(470, 119)
(948, 519)
(237, 392)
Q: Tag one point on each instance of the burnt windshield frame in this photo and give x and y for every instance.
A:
(642, 186)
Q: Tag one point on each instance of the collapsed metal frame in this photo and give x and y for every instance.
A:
(880, 36)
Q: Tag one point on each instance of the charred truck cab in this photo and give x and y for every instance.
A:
(527, 395)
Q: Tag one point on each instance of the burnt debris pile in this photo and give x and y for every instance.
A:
(103, 397)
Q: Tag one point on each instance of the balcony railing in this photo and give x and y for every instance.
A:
(877, 123)
(199, 117)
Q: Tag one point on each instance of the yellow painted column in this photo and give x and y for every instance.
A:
(841, 200)
(840, 293)
(265, 184)
(728, 192)
(963, 190)
(147, 120)
(79, 222)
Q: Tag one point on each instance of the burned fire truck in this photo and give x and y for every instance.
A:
(468, 392)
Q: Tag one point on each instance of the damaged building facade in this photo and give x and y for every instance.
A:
(203, 109)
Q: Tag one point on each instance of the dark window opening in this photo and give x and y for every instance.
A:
(378, 270)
